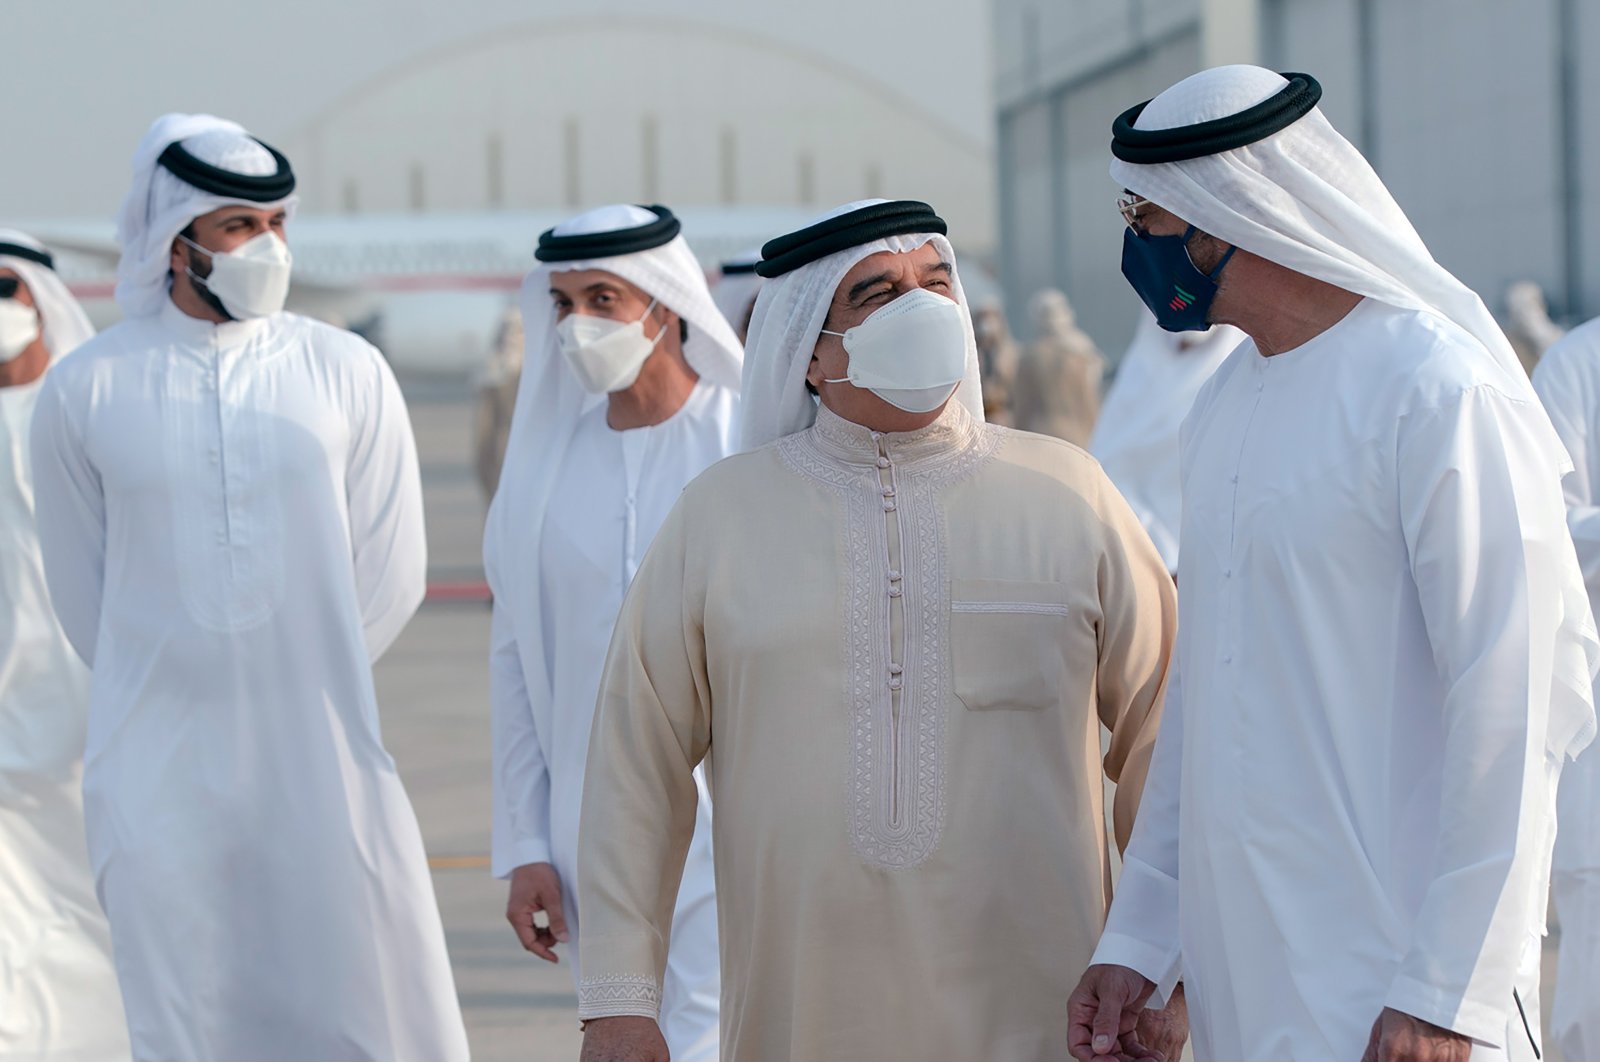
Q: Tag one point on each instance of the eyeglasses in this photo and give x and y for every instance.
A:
(1128, 206)
(8, 287)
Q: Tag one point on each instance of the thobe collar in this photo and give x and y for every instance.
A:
(227, 335)
(1284, 365)
(950, 435)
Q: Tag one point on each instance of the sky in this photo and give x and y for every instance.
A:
(105, 70)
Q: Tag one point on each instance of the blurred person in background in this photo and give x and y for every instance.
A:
(58, 989)
(497, 398)
(630, 389)
(231, 518)
(1529, 326)
(1058, 381)
(1136, 439)
(997, 361)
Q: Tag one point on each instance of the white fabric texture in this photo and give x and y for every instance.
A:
(734, 293)
(788, 318)
(231, 522)
(1375, 643)
(544, 678)
(1568, 380)
(159, 205)
(609, 501)
(1136, 437)
(58, 989)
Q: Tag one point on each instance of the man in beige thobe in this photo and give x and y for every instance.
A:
(894, 634)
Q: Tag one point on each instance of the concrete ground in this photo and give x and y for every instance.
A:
(434, 693)
(433, 690)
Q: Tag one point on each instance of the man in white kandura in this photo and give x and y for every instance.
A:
(1385, 650)
(1568, 380)
(58, 991)
(893, 633)
(630, 389)
(231, 518)
(1136, 437)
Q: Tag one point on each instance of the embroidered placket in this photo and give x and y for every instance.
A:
(894, 603)
(895, 640)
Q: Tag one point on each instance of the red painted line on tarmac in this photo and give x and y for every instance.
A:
(93, 289)
(458, 862)
(410, 282)
(458, 591)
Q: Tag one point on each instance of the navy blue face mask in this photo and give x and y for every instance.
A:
(1160, 271)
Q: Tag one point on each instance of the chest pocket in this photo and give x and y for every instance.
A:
(1008, 643)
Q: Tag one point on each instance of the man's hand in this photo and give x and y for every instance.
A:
(1398, 1037)
(623, 1040)
(1104, 1011)
(1166, 1030)
(536, 887)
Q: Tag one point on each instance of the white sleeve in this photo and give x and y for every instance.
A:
(1565, 390)
(70, 510)
(383, 490)
(521, 778)
(1482, 517)
(1564, 380)
(1575, 1018)
(1142, 929)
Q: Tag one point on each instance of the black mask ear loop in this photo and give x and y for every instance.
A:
(1217, 272)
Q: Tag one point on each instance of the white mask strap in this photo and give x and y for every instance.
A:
(825, 332)
(208, 252)
(660, 331)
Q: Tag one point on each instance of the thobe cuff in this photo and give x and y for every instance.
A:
(1142, 930)
(1482, 1022)
(1151, 961)
(621, 975)
(509, 855)
(619, 996)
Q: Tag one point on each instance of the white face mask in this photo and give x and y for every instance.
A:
(912, 352)
(607, 355)
(252, 280)
(19, 327)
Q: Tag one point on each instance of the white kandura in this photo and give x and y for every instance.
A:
(1379, 669)
(232, 526)
(56, 976)
(1136, 438)
(577, 508)
(1568, 381)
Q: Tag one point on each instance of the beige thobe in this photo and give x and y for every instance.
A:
(897, 652)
